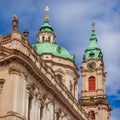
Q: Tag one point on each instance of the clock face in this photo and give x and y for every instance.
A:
(91, 65)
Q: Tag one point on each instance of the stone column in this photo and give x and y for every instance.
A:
(2, 81)
(38, 110)
(84, 84)
(55, 115)
(100, 81)
(35, 109)
(76, 90)
(39, 106)
(27, 104)
(58, 114)
(32, 115)
(24, 99)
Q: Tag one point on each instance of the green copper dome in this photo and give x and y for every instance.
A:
(46, 42)
(53, 49)
(93, 51)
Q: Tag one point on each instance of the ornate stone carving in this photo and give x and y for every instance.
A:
(70, 73)
(47, 106)
(25, 75)
(15, 70)
(60, 114)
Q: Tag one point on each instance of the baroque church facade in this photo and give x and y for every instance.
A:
(40, 81)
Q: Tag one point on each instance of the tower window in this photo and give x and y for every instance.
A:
(59, 49)
(49, 39)
(43, 38)
(92, 115)
(91, 83)
(29, 107)
(91, 55)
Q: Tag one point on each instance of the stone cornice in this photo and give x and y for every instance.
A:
(60, 58)
(50, 81)
(95, 101)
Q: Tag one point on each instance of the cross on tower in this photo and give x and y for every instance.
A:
(93, 25)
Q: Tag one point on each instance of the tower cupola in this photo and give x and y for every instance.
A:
(93, 51)
(46, 33)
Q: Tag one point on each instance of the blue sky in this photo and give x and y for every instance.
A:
(72, 20)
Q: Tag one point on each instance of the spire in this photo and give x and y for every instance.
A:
(46, 16)
(93, 51)
(93, 29)
(93, 39)
(46, 27)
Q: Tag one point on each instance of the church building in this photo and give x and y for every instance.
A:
(40, 81)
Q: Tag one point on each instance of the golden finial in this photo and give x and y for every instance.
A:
(93, 25)
(46, 8)
(46, 16)
(15, 17)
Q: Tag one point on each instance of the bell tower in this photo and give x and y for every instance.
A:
(93, 98)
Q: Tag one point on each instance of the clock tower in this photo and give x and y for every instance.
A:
(93, 98)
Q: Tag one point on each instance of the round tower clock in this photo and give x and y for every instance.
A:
(91, 65)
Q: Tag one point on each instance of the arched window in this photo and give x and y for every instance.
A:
(43, 38)
(71, 86)
(59, 76)
(49, 39)
(91, 115)
(29, 106)
(91, 81)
